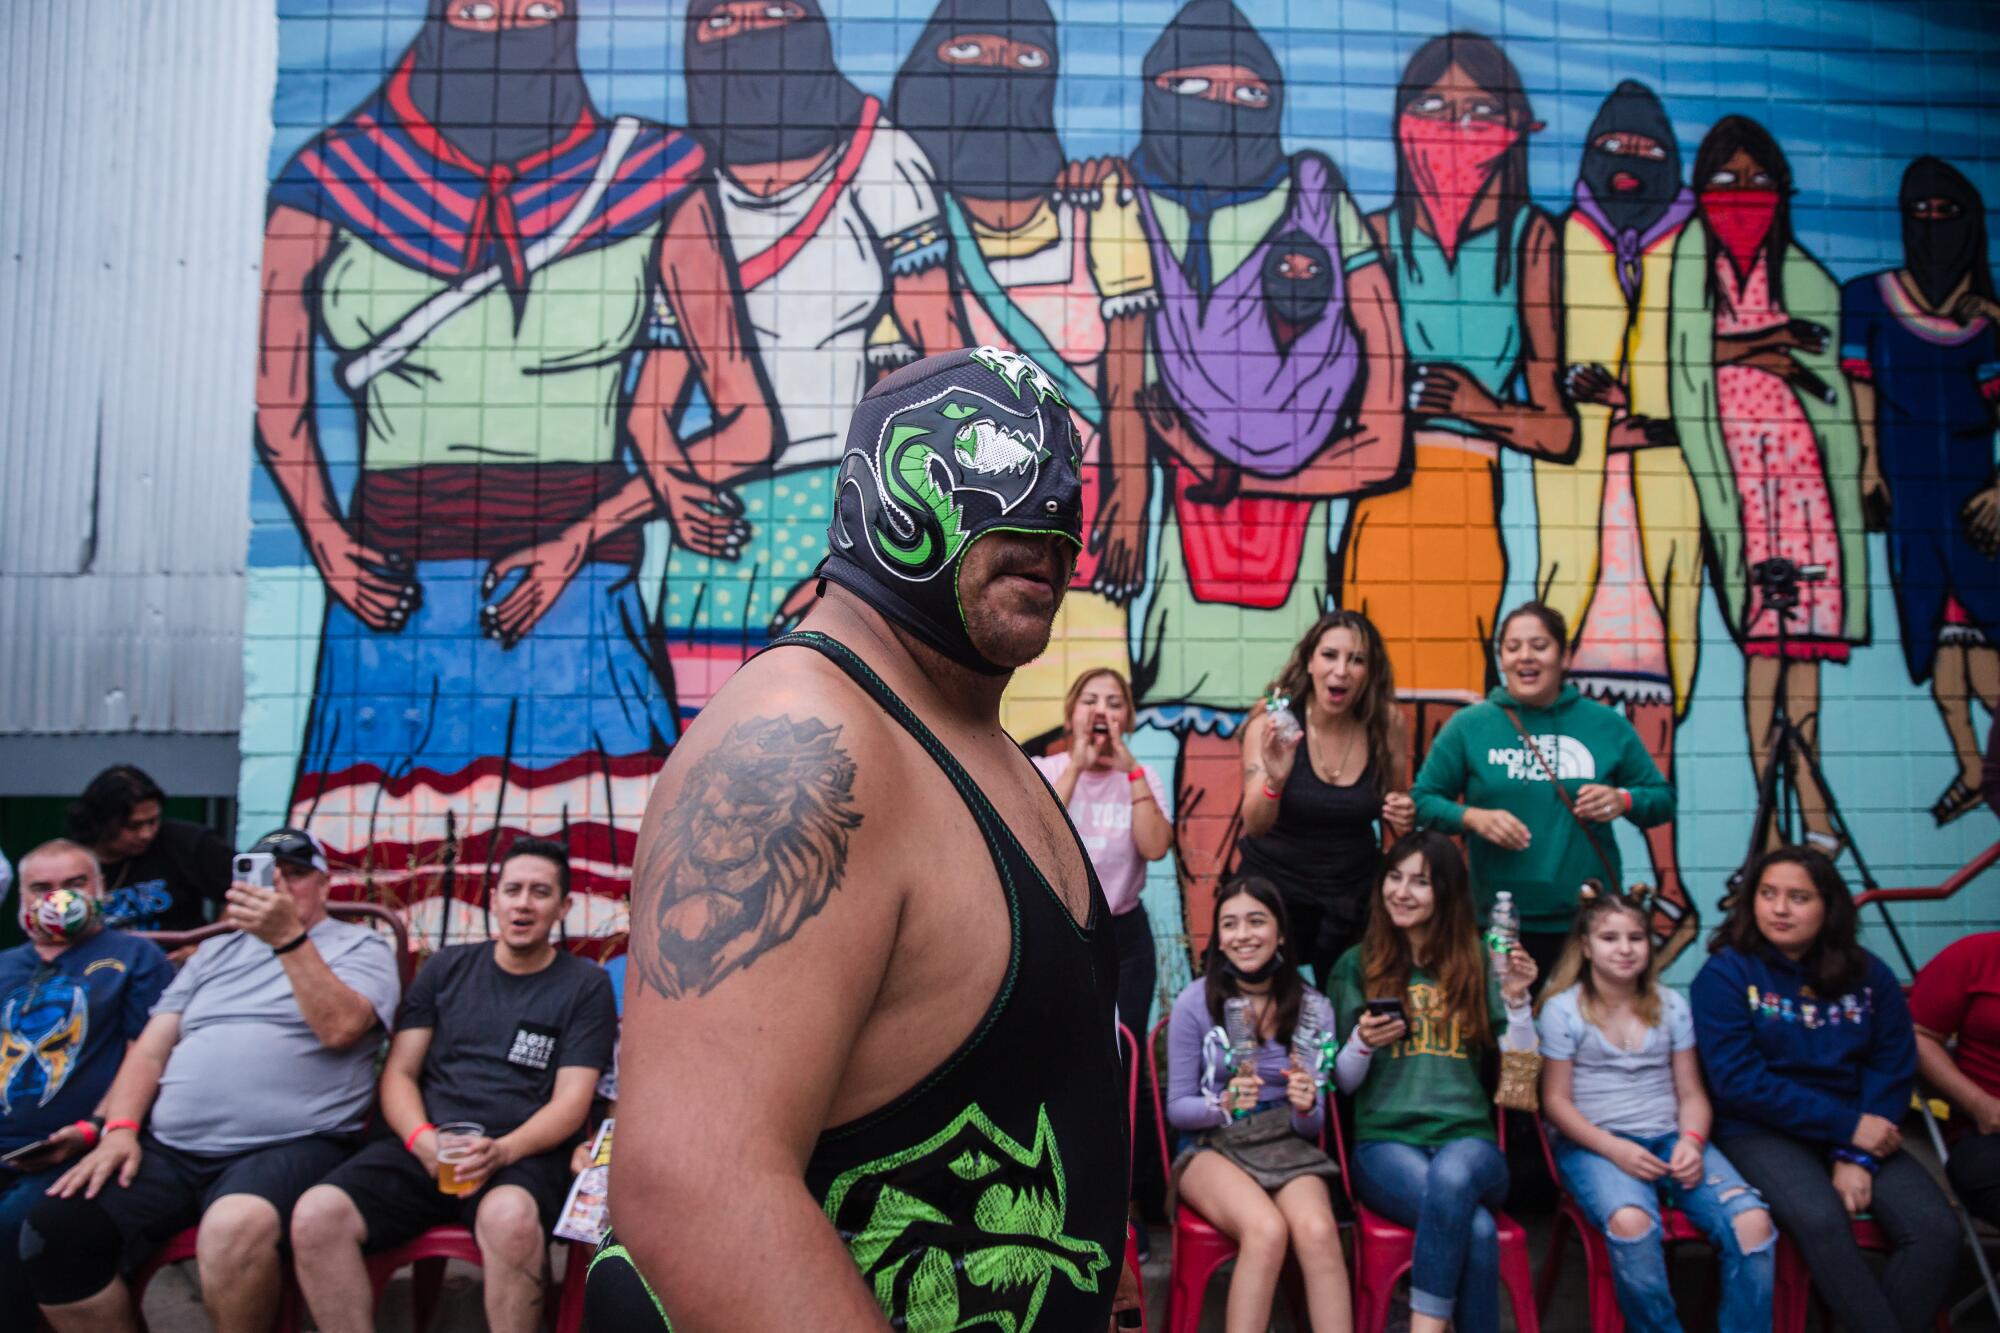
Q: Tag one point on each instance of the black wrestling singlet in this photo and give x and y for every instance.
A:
(992, 1194)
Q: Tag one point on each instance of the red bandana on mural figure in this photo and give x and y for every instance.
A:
(1741, 220)
(1451, 161)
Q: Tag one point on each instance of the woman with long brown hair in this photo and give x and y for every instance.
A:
(1310, 827)
(1422, 1000)
(1252, 1168)
(1811, 1058)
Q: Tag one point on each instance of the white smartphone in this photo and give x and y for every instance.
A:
(259, 868)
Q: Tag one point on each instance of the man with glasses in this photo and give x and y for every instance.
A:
(71, 997)
(251, 1080)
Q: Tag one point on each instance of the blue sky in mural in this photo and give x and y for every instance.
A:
(1852, 91)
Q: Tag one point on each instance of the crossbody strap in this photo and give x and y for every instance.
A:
(1569, 802)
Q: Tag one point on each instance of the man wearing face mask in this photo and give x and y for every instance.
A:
(484, 254)
(71, 997)
(923, 1115)
(829, 213)
(1049, 261)
(1620, 527)
(1919, 346)
(1264, 409)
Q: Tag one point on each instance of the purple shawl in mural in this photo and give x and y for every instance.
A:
(1264, 409)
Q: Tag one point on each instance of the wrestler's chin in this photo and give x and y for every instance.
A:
(1010, 626)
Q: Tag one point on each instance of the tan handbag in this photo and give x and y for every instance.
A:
(1520, 1081)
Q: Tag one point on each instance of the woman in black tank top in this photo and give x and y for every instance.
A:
(1317, 778)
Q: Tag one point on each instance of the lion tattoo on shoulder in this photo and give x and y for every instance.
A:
(751, 851)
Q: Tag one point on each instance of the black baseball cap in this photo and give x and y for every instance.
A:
(294, 847)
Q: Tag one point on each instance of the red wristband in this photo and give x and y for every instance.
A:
(88, 1128)
(1690, 1134)
(110, 1125)
(1136, 775)
(1270, 793)
(410, 1144)
(1626, 792)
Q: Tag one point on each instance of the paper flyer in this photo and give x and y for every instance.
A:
(586, 1214)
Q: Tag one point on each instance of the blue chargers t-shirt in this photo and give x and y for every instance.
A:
(64, 1023)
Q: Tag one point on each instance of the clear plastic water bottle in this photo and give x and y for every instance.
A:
(1284, 722)
(1242, 1033)
(1309, 1035)
(1503, 931)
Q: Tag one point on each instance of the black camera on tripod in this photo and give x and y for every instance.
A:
(1777, 581)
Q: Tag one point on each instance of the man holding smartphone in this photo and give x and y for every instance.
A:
(70, 1000)
(251, 1080)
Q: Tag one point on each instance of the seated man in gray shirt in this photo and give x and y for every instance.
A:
(251, 1080)
(510, 1036)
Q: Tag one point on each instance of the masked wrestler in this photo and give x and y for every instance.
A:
(923, 1110)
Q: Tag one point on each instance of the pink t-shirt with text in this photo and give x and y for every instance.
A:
(1102, 813)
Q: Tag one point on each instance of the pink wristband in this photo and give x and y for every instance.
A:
(410, 1144)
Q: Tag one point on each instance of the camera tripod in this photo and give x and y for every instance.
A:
(1780, 809)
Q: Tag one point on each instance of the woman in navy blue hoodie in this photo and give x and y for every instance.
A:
(1810, 1058)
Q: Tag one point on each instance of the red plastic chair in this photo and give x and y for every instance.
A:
(1384, 1251)
(1198, 1248)
(428, 1254)
(1794, 1294)
(1605, 1316)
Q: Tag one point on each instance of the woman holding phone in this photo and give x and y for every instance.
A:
(1427, 1000)
(1252, 1165)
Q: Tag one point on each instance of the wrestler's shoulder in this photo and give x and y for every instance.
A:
(796, 683)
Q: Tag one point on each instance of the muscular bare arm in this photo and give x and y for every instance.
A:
(761, 932)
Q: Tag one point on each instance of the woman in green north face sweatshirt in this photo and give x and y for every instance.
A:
(1482, 780)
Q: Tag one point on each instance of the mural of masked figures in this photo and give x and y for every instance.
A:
(1047, 260)
(1919, 345)
(1620, 526)
(1767, 424)
(829, 216)
(1276, 383)
(1476, 266)
(475, 248)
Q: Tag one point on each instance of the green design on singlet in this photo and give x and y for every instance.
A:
(965, 1230)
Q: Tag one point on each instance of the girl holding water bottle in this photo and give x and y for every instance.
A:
(1243, 1087)
(1421, 997)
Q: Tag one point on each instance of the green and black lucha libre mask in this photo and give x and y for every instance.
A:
(940, 454)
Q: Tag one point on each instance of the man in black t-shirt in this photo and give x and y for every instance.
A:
(158, 872)
(511, 1036)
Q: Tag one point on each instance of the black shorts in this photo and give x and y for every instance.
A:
(398, 1200)
(173, 1187)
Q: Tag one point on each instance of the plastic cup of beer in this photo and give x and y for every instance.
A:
(454, 1143)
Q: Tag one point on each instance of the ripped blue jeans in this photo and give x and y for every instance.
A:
(1639, 1264)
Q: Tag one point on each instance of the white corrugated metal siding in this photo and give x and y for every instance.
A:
(132, 169)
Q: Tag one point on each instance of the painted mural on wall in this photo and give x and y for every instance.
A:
(566, 301)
